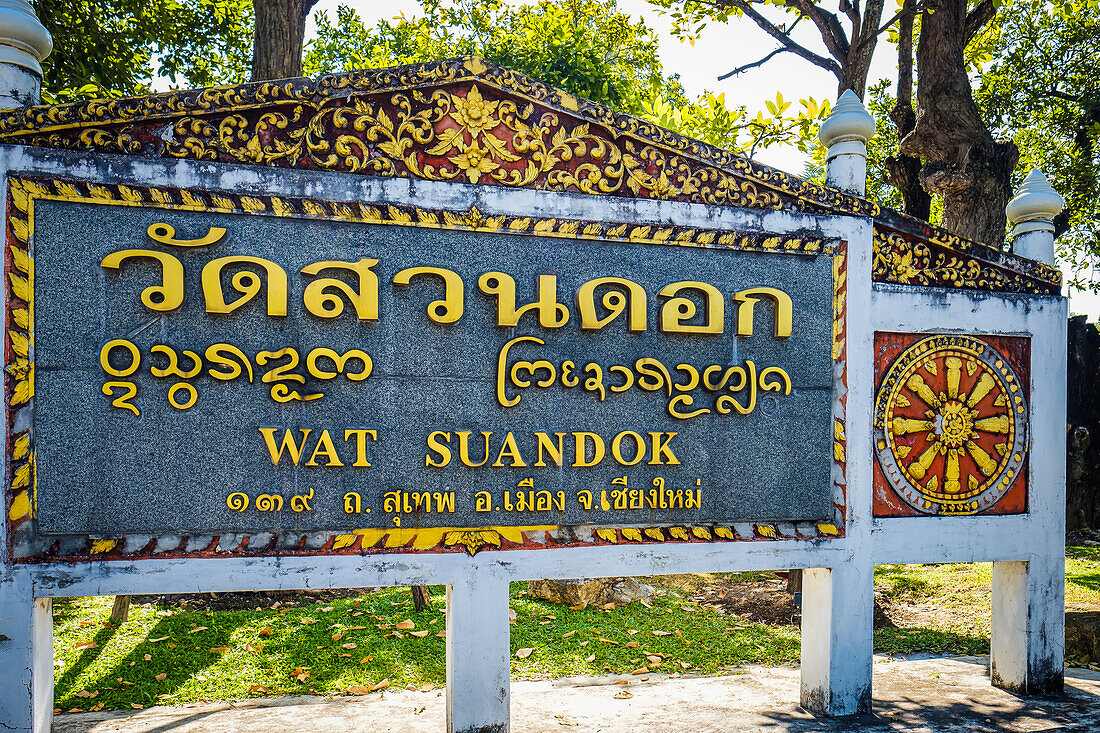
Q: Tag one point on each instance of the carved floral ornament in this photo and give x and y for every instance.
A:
(464, 119)
(27, 546)
(951, 423)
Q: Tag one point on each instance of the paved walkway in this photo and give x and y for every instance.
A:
(916, 695)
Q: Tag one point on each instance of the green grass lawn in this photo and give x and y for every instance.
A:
(174, 655)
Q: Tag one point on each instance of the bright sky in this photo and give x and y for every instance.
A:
(719, 49)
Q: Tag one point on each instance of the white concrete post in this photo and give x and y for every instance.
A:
(837, 638)
(845, 134)
(478, 659)
(1032, 212)
(24, 42)
(26, 658)
(1027, 644)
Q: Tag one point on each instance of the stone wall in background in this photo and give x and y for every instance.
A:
(1083, 427)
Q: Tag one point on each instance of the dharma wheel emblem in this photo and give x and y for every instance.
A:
(951, 425)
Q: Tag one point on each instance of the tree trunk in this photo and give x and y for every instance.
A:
(120, 612)
(963, 163)
(857, 65)
(903, 171)
(277, 43)
(421, 598)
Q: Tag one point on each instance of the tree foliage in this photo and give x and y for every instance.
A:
(116, 47)
(587, 47)
(1042, 90)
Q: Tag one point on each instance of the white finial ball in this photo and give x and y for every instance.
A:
(24, 41)
(1036, 200)
(849, 121)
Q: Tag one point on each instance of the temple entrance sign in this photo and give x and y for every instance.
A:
(445, 324)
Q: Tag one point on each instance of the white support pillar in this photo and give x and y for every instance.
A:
(26, 658)
(24, 42)
(1032, 212)
(478, 658)
(1026, 651)
(845, 134)
(837, 638)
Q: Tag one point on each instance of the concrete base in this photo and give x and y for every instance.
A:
(26, 658)
(943, 695)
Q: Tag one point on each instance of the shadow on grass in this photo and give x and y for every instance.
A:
(128, 680)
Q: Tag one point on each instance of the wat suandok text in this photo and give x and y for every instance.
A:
(318, 374)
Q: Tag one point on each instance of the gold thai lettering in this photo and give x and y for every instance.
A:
(483, 501)
(166, 234)
(324, 446)
(502, 287)
(292, 447)
(129, 347)
(353, 503)
(228, 368)
(502, 371)
(725, 403)
(269, 503)
(639, 448)
(237, 501)
(418, 502)
(784, 310)
(360, 435)
(552, 449)
(300, 502)
(615, 301)
(446, 310)
(129, 391)
(438, 443)
(322, 296)
(464, 448)
(339, 361)
(677, 309)
(188, 402)
(245, 282)
(173, 369)
(783, 383)
(161, 298)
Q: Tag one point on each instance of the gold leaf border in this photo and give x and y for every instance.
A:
(108, 125)
(23, 191)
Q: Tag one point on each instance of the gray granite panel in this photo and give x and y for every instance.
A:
(104, 470)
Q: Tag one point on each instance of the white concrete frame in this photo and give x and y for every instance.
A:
(838, 598)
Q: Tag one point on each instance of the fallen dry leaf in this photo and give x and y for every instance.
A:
(524, 652)
(654, 661)
(685, 665)
(661, 633)
(197, 629)
(608, 641)
(307, 621)
(349, 645)
(265, 631)
(641, 670)
(358, 690)
(441, 633)
(337, 636)
(258, 688)
(148, 657)
(327, 609)
(128, 684)
(381, 685)
(300, 673)
(161, 676)
(420, 634)
(590, 658)
(567, 635)
(136, 706)
(581, 607)
(97, 707)
(427, 687)
(86, 645)
(159, 638)
(366, 659)
(86, 694)
(405, 625)
(219, 649)
(632, 632)
(623, 695)
(631, 644)
(419, 710)
(250, 647)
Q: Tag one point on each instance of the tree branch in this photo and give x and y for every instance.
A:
(754, 64)
(976, 19)
(828, 25)
(911, 6)
(768, 27)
